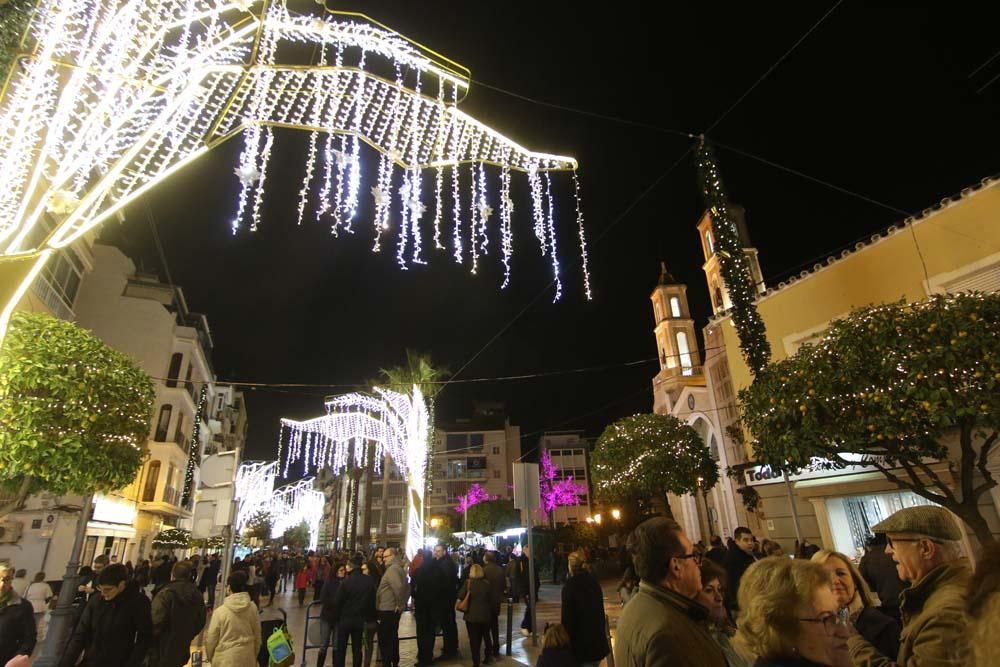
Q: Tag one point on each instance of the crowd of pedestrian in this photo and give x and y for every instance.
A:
(912, 601)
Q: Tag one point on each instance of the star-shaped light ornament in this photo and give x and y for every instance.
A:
(341, 158)
(510, 204)
(485, 211)
(379, 196)
(248, 174)
(62, 202)
(404, 192)
(418, 208)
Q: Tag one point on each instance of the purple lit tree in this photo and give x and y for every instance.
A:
(475, 495)
(555, 492)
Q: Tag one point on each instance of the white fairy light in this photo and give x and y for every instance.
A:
(582, 236)
(552, 238)
(506, 209)
(485, 211)
(118, 96)
(394, 423)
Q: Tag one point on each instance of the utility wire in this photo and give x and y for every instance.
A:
(772, 67)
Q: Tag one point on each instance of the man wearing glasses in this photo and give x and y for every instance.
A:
(924, 544)
(17, 619)
(663, 625)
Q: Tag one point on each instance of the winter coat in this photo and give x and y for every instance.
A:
(881, 630)
(113, 633)
(210, 575)
(178, 617)
(737, 562)
(480, 600)
(797, 661)
(661, 628)
(17, 628)
(934, 622)
(303, 579)
(493, 573)
(38, 594)
(393, 591)
(327, 597)
(583, 617)
(233, 638)
(354, 603)
(560, 656)
(879, 570)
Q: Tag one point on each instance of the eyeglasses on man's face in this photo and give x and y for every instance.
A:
(693, 555)
(830, 621)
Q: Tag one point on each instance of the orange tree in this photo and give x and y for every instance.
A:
(74, 413)
(650, 455)
(901, 385)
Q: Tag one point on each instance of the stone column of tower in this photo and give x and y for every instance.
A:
(676, 343)
(716, 285)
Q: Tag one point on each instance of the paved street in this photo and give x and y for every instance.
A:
(522, 651)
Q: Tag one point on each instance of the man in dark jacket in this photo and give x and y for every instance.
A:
(116, 628)
(663, 624)
(354, 607)
(717, 552)
(879, 570)
(422, 581)
(498, 585)
(17, 619)
(209, 580)
(446, 585)
(178, 616)
(583, 614)
(737, 562)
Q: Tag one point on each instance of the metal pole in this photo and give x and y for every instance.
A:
(795, 512)
(62, 618)
(510, 623)
(531, 584)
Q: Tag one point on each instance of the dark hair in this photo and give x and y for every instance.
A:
(877, 540)
(490, 557)
(710, 570)
(716, 541)
(181, 571)
(238, 582)
(741, 531)
(357, 561)
(985, 582)
(652, 544)
(102, 559)
(112, 575)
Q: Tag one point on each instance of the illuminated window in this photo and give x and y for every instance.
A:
(675, 306)
(684, 353)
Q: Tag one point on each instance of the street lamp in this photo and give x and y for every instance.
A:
(597, 519)
(616, 514)
(435, 522)
(590, 519)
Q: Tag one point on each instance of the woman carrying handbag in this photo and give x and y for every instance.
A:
(475, 599)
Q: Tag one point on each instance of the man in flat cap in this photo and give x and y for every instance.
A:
(924, 543)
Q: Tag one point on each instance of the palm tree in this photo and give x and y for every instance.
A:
(418, 370)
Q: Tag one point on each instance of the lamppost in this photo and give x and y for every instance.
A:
(616, 514)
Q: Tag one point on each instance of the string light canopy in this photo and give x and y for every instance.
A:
(109, 98)
(393, 423)
(254, 488)
(295, 503)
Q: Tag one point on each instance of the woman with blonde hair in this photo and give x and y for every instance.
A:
(583, 613)
(475, 599)
(854, 595)
(789, 615)
(556, 651)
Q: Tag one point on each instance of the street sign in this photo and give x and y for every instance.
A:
(526, 496)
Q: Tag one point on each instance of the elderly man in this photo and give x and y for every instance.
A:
(390, 601)
(663, 625)
(923, 542)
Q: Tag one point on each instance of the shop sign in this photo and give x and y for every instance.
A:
(818, 468)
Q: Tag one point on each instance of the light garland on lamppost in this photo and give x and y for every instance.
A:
(194, 447)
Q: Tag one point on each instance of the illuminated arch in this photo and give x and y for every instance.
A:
(107, 99)
(392, 422)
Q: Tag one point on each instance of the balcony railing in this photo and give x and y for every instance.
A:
(172, 496)
(51, 298)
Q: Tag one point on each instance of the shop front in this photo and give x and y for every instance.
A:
(834, 507)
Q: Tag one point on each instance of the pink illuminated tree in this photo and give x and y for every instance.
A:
(555, 492)
(475, 495)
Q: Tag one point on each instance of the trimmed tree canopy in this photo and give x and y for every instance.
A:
(891, 383)
(651, 455)
(493, 516)
(74, 413)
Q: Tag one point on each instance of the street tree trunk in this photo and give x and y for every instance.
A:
(18, 501)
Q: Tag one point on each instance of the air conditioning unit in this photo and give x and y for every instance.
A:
(10, 531)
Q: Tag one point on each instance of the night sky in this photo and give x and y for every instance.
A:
(876, 100)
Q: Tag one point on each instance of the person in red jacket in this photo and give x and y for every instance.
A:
(302, 581)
